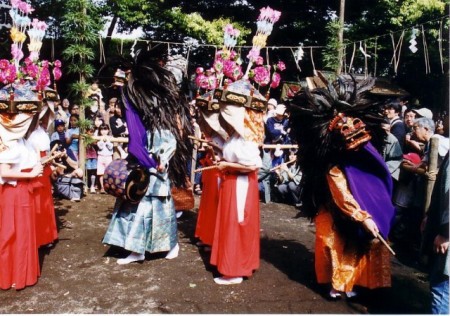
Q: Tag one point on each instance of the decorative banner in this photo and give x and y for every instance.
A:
(413, 41)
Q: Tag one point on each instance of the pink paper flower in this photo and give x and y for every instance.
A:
(228, 29)
(57, 63)
(44, 64)
(28, 61)
(4, 64)
(25, 7)
(31, 70)
(253, 54)
(218, 66)
(236, 73)
(199, 70)
(16, 52)
(44, 79)
(10, 74)
(15, 3)
(259, 61)
(281, 66)
(262, 75)
(228, 66)
(275, 80)
(201, 81)
(57, 73)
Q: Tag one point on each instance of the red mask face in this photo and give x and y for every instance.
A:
(352, 130)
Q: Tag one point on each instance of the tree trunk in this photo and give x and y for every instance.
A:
(111, 28)
(341, 36)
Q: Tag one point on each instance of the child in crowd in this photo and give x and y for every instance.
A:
(72, 137)
(98, 121)
(91, 161)
(60, 133)
(105, 153)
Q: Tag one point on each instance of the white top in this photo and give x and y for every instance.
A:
(20, 154)
(39, 139)
(241, 151)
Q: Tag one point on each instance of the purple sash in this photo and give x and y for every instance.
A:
(371, 185)
(137, 137)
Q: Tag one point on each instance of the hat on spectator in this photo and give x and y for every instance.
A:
(59, 122)
(280, 109)
(424, 112)
(272, 101)
(413, 157)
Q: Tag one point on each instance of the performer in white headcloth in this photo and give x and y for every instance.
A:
(46, 230)
(19, 165)
(236, 244)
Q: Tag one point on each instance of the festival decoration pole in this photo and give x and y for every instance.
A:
(266, 20)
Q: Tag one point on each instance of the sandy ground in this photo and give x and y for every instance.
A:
(80, 274)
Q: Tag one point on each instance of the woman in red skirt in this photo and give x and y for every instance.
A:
(207, 210)
(19, 259)
(46, 231)
(236, 244)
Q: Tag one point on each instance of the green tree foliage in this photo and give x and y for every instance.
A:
(330, 54)
(80, 28)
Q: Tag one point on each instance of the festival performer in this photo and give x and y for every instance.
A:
(347, 185)
(46, 230)
(19, 259)
(155, 111)
(236, 243)
(207, 210)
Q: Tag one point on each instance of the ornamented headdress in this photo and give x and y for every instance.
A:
(229, 89)
(25, 84)
(329, 121)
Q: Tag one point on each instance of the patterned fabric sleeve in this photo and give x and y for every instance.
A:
(342, 196)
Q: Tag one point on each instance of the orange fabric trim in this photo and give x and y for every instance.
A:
(342, 262)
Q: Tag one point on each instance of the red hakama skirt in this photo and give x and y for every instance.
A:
(236, 245)
(19, 259)
(207, 211)
(46, 231)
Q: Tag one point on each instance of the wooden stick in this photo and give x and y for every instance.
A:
(286, 163)
(198, 139)
(385, 243)
(53, 149)
(51, 158)
(112, 139)
(281, 146)
(59, 165)
(211, 143)
(265, 146)
(205, 168)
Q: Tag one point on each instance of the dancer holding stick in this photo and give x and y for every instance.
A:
(347, 185)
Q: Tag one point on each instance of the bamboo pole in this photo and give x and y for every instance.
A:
(112, 139)
(284, 163)
(205, 168)
(265, 146)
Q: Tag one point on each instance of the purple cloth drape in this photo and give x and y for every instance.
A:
(137, 137)
(370, 182)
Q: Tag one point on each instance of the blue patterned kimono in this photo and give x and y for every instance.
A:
(150, 225)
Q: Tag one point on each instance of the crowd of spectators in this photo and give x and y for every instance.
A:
(106, 124)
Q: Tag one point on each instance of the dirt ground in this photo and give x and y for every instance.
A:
(80, 274)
